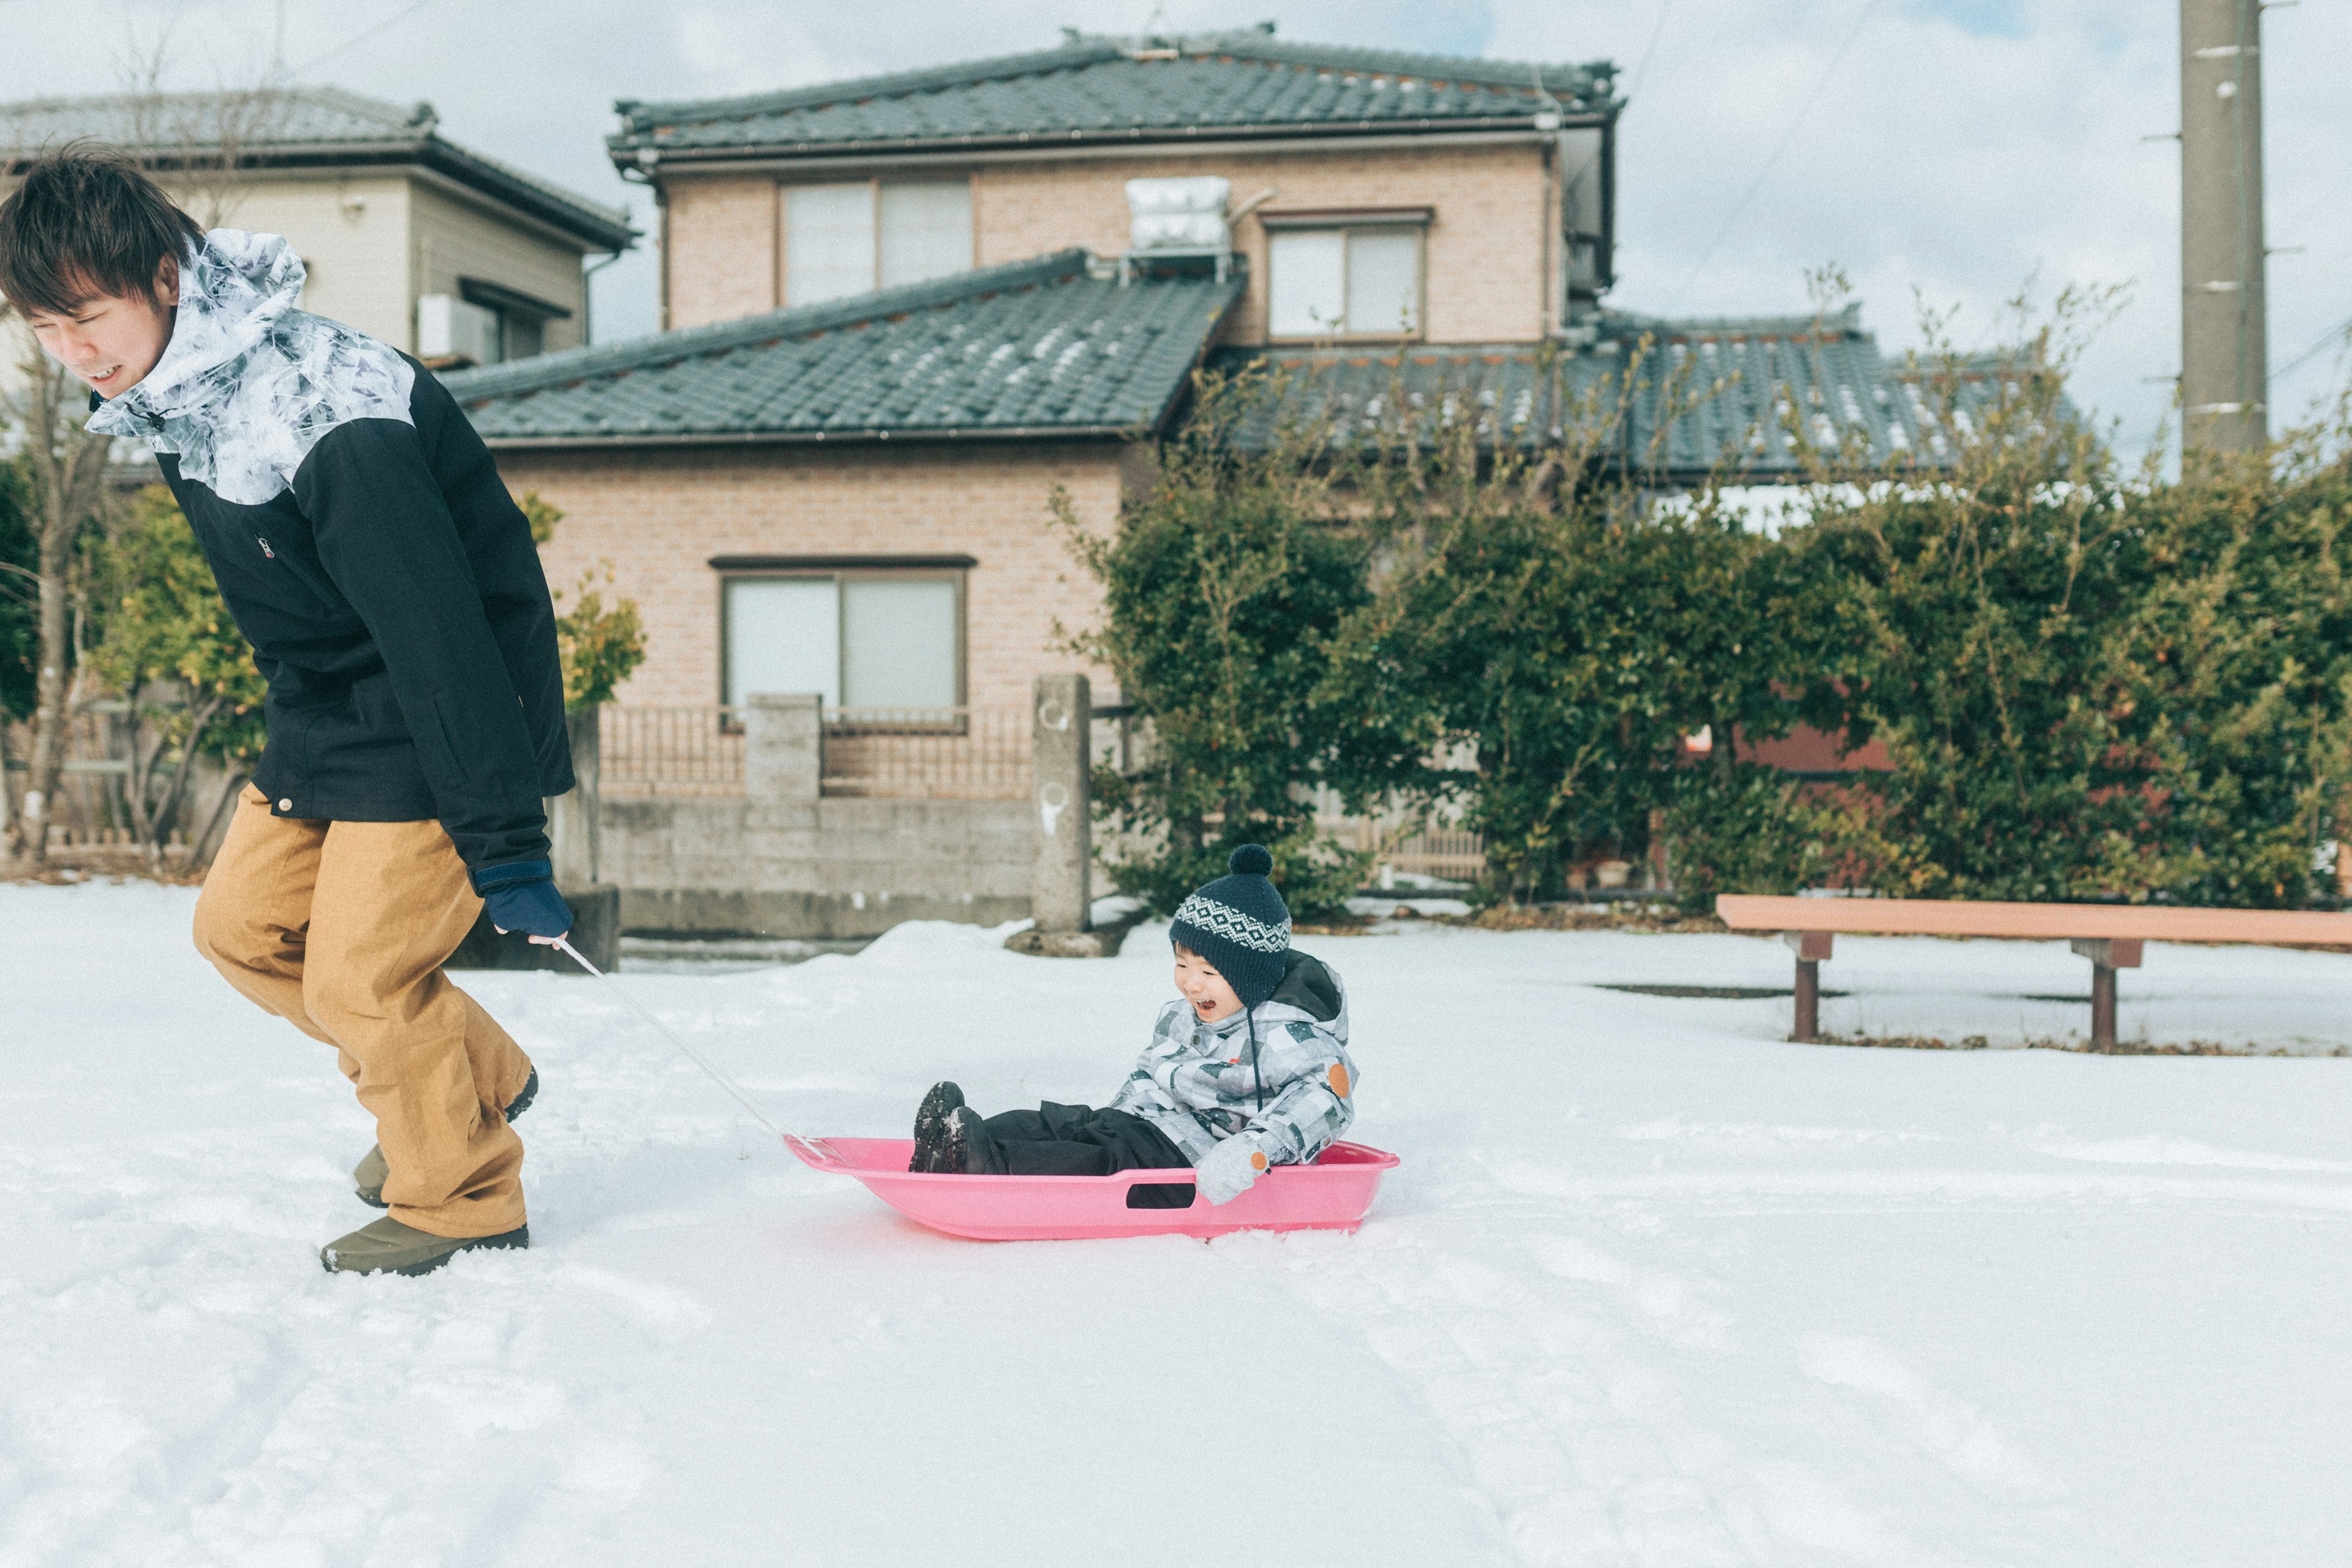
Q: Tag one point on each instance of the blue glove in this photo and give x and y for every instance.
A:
(522, 897)
(1231, 1168)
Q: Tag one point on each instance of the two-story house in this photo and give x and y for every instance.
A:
(905, 310)
(430, 246)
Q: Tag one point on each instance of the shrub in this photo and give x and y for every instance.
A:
(1223, 588)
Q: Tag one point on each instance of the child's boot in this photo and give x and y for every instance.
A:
(968, 1148)
(931, 1125)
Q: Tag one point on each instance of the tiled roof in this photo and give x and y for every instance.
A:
(1707, 394)
(1124, 89)
(1738, 382)
(1047, 347)
(321, 126)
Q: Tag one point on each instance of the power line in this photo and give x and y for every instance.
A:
(365, 34)
(2326, 340)
(1779, 147)
(1649, 52)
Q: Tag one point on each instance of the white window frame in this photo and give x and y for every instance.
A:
(873, 185)
(1346, 226)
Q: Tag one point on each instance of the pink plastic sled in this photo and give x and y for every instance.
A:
(1332, 1194)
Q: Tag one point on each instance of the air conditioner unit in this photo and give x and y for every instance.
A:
(451, 329)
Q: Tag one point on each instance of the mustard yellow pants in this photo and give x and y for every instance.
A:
(341, 928)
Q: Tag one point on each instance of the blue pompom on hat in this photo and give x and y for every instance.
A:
(1240, 924)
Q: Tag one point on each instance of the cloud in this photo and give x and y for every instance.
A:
(1961, 149)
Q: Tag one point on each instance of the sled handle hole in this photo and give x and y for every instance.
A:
(1161, 1195)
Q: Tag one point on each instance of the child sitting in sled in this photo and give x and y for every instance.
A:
(1246, 1070)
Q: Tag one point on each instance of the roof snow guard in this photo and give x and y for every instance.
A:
(1094, 90)
(1708, 396)
(1040, 350)
(297, 127)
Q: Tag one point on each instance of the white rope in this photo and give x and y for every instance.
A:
(816, 1146)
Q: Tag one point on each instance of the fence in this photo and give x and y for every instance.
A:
(1401, 845)
(1429, 849)
(940, 753)
(956, 753)
(932, 754)
(89, 815)
(669, 750)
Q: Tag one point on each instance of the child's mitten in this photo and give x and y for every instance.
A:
(1232, 1167)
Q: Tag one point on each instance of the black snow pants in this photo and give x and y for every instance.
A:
(1079, 1141)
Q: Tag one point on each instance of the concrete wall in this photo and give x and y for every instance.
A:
(824, 869)
(659, 514)
(781, 860)
(1485, 264)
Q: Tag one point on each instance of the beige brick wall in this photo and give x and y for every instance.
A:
(724, 248)
(1486, 260)
(1484, 278)
(659, 514)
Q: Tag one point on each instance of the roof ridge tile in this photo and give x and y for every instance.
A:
(636, 114)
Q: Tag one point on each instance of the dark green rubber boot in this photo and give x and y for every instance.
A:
(388, 1247)
(369, 1175)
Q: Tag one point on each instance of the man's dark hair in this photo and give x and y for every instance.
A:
(87, 222)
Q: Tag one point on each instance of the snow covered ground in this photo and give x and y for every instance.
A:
(1650, 1286)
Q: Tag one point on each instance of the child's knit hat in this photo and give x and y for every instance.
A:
(1240, 924)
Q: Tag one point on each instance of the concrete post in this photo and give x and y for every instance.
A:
(571, 834)
(1060, 894)
(572, 819)
(783, 748)
(2224, 354)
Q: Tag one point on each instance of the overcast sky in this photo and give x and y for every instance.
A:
(1945, 152)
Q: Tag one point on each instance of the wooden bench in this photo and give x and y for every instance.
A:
(2109, 935)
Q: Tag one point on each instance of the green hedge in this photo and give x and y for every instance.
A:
(2088, 684)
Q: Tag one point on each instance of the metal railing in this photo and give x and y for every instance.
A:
(955, 754)
(903, 753)
(927, 754)
(669, 750)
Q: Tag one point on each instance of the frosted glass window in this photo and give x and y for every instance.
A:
(828, 242)
(1384, 280)
(783, 639)
(1361, 282)
(1308, 292)
(898, 641)
(926, 230)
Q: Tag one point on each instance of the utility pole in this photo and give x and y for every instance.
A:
(2224, 349)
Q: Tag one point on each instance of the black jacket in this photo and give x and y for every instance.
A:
(397, 609)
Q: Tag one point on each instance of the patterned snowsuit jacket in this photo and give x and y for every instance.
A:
(1195, 1083)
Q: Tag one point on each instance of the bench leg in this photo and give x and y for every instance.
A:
(2103, 1007)
(1811, 947)
(2106, 954)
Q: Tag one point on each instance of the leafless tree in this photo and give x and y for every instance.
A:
(200, 148)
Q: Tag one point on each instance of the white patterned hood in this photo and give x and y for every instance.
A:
(249, 383)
